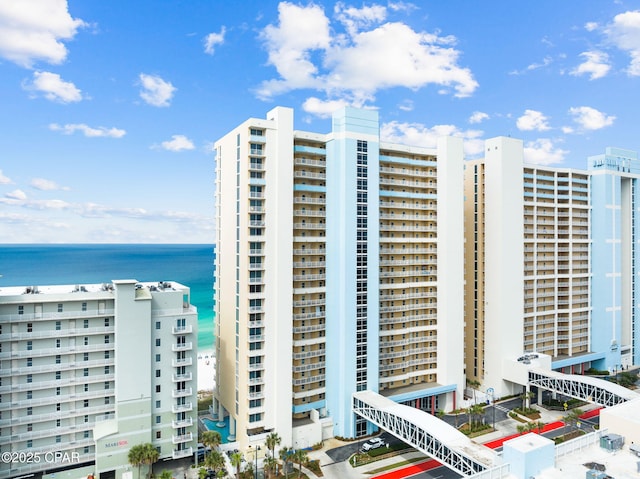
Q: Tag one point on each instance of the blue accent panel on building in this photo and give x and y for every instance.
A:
(318, 189)
(422, 393)
(308, 407)
(348, 125)
(403, 194)
(572, 361)
(257, 181)
(309, 149)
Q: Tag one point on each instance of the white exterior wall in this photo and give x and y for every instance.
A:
(504, 253)
(450, 264)
(278, 273)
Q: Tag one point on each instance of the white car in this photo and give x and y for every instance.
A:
(374, 443)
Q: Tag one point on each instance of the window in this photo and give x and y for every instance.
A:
(106, 322)
(29, 327)
(106, 339)
(158, 419)
(57, 359)
(158, 342)
(58, 326)
(29, 394)
(84, 306)
(86, 340)
(29, 443)
(157, 388)
(86, 403)
(157, 324)
(106, 384)
(85, 372)
(157, 358)
(29, 427)
(107, 369)
(29, 411)
(58, 391)
(158, 434)
(86, 418)
(58, 438)
(57, 406)
(29, 378)
(29, 361)
(86, 387)
(29, 345)
(107, 354)
(86, 356)
(57, 343)
(85, 323)
(158, 404)
(86, 434)
(107, 400)
(57, 422)
(59, 307)
(157, 373)
(21, 309)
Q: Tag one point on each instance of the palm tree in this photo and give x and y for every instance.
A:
(285, 456)
(270, 464)
(272, 441)
(573, 417)
(143, 454)
(211, 439)
(135, 457)
(215, 461)
(300, 457)
(521, 428)
(540, 426)
(236, 461)
(150, 456)
(475, 412)
(525, 396)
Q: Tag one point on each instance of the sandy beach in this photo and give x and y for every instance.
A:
(206, 370)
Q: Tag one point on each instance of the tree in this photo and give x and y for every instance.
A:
(573, 417)
(521, 428)
(525, 396)
(215, 461)
(285, 457)
(475, 412)
(540, 426)
(141, 454)
(236, 461)
(270, 465)
(300, 457)
(211, 439)
(166, 475)
(271, 442)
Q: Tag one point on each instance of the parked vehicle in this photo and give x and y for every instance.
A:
(373, 443)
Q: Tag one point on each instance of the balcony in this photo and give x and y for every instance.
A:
(184, 438)
(182, 423)
(181, 377)
(182, 329)
(179, 453)
(181, 362)
(176, 408)
(182, 347)
(180, 393)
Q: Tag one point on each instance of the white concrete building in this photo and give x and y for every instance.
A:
(88, 371)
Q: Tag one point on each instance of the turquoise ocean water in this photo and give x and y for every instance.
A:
(191, 265)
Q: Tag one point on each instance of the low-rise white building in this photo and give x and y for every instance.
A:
(88, 371)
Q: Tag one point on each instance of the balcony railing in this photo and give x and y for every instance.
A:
(179, 453)
(182, 347)
(183, 438)
(176, 408)
(182, 423)
(182, 329)
(181, 362)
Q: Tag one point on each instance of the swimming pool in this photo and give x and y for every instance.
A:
(211, 425)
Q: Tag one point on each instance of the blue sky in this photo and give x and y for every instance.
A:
(108, 109)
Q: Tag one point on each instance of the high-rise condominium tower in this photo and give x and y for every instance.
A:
(339, 268)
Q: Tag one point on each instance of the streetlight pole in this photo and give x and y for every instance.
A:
(255, 473)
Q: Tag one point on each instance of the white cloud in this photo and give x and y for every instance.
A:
(417, 134)
(478, 117)
(178, 143)
(53, 87)
(596, 65)
(16, 195)
(322, 108)
(213, 39)
(91, 132)
(406, 105)
(532, 120)
(46, 185)
(4, 180)
(156, 91)
(590, 26)
(32, 30)
(546, 61)
(590, 119)
(355, 19)
(543, 151)
(624, 33)
(308, 54)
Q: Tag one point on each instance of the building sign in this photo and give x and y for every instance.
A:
(116, 443)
